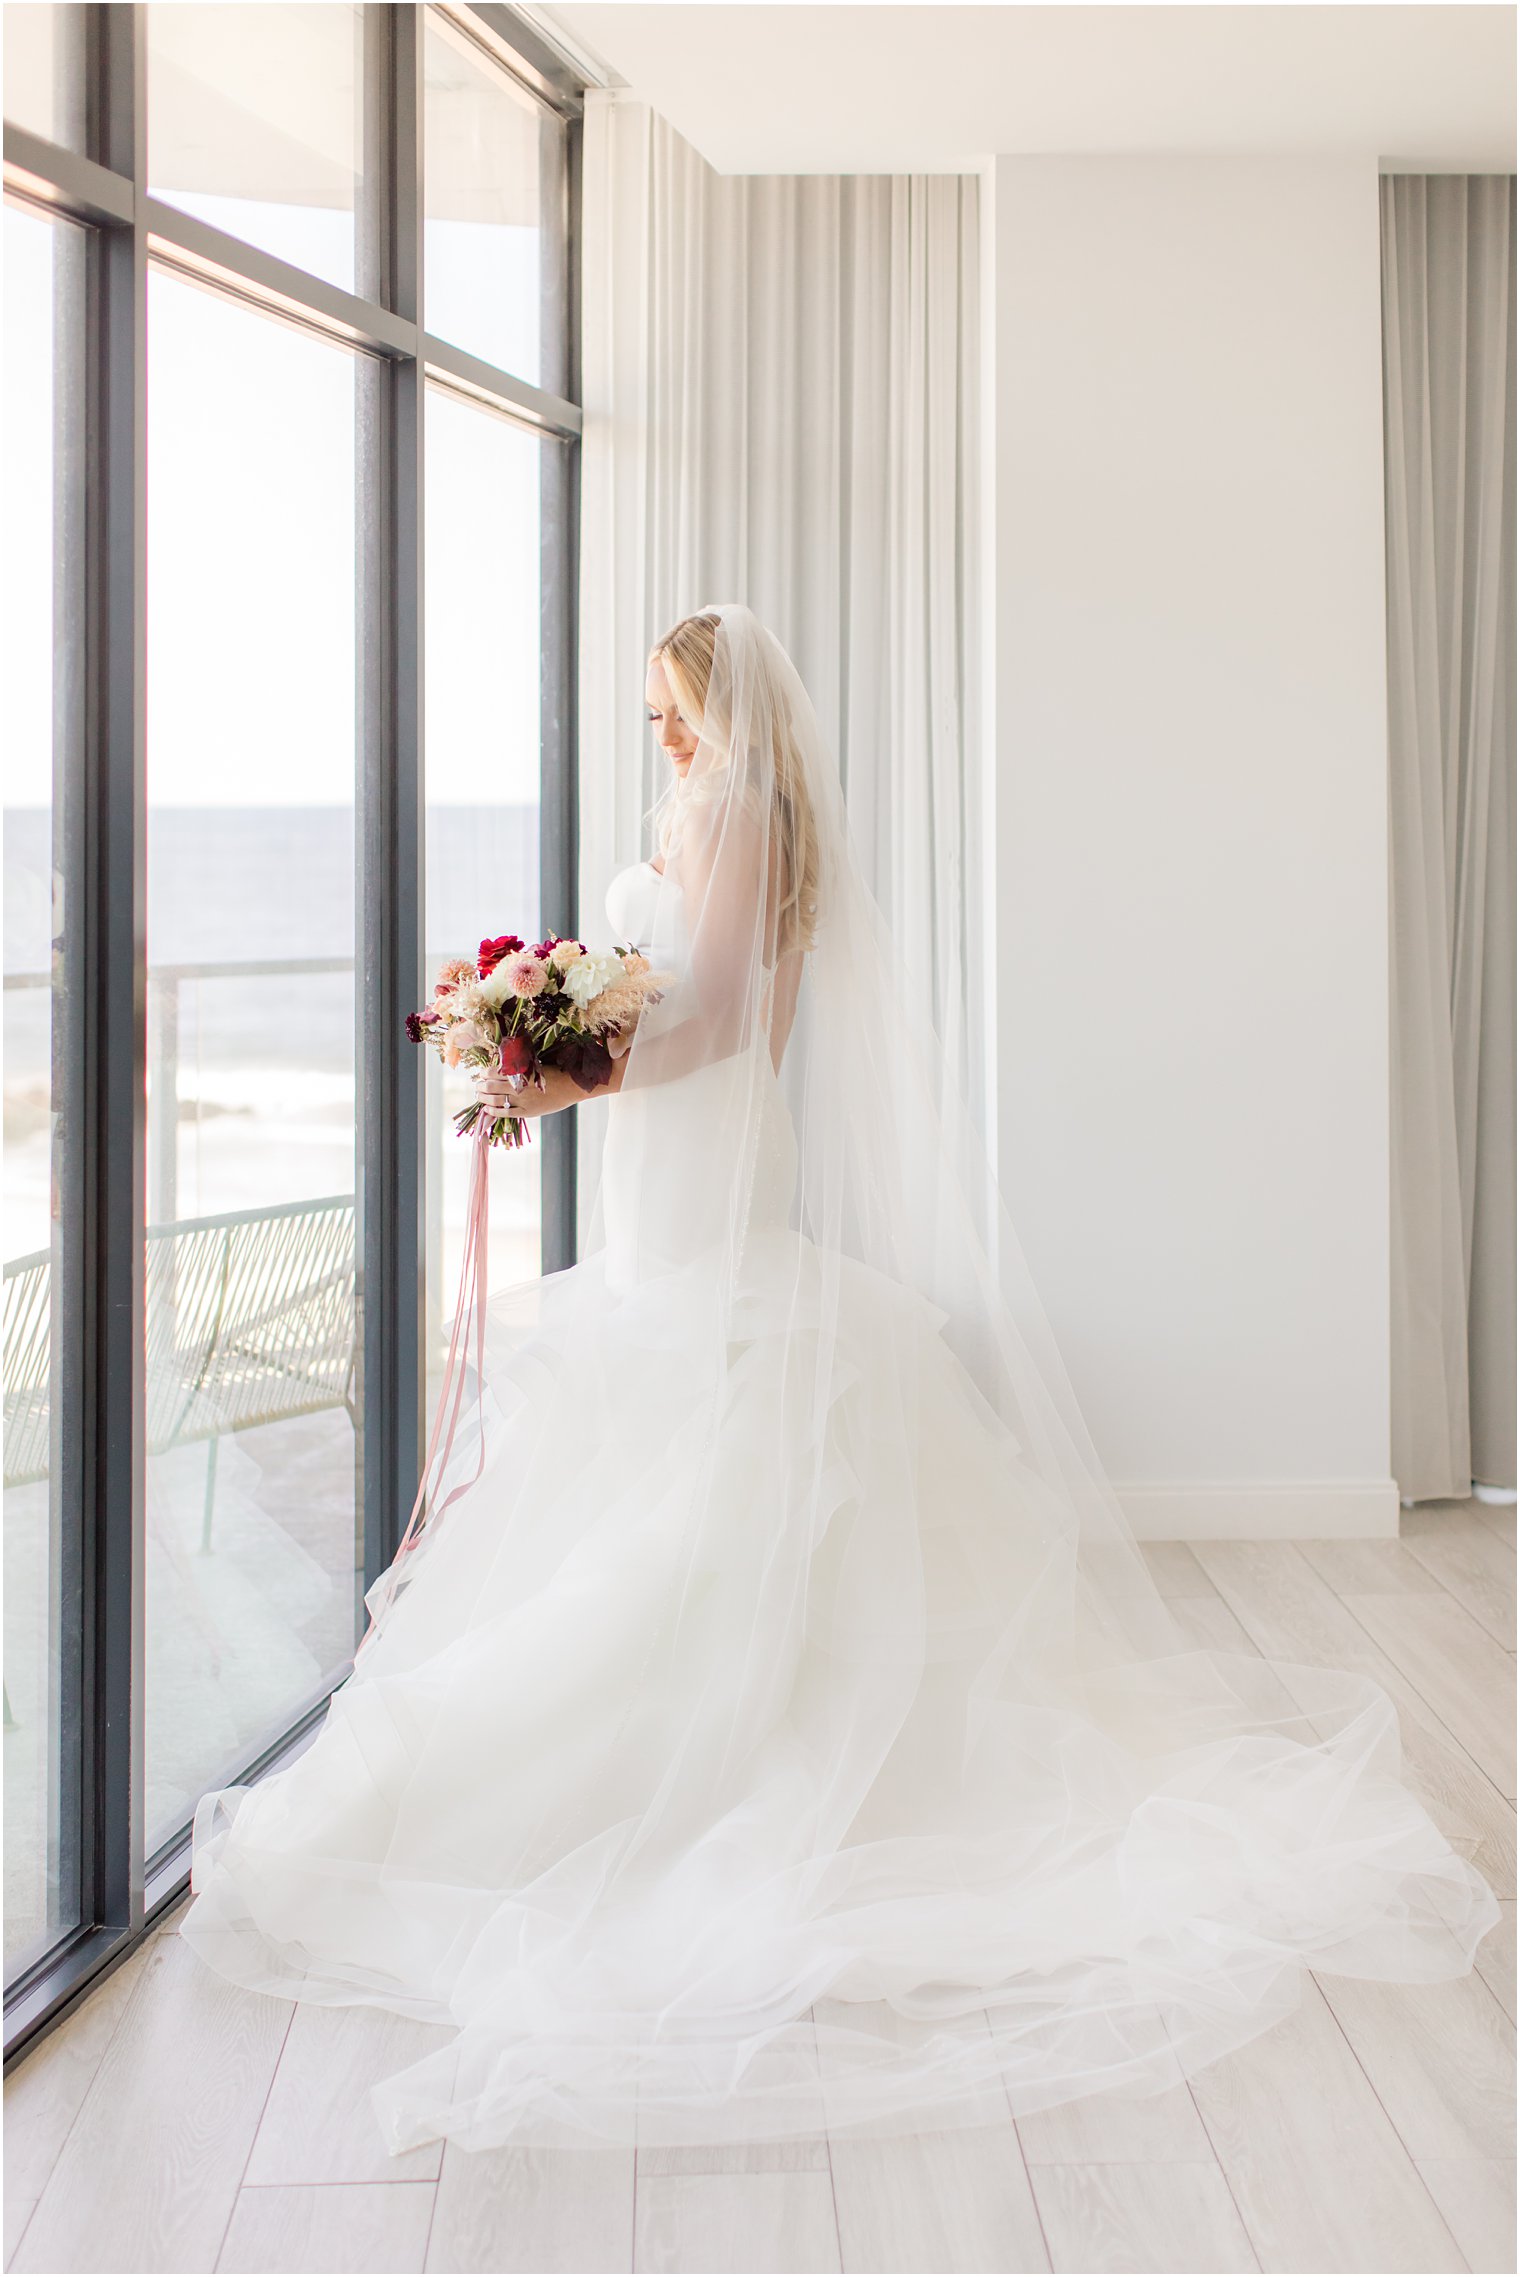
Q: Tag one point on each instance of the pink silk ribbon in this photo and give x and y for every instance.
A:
(472, 1297)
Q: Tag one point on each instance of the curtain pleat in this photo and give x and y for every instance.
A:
(781, 408)
(1449, 426)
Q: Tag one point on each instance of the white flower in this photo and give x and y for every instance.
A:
(587, 976)
(467, 1001)
(497, 985)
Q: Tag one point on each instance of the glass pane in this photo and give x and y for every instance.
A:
(45, 72)
(494, 162)
(254, 123)
(483, 757)
(254, 1501)
(42, 650)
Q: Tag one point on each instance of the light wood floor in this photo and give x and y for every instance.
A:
(174, 2123)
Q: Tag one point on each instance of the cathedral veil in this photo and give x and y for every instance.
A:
(784, 1732)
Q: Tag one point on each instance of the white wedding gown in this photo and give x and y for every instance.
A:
(751, 1782)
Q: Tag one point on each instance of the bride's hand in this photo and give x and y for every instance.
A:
(500, 1097)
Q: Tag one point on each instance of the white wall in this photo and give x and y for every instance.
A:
(1186, 645)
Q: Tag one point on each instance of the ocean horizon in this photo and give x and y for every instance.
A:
(246, 884)
(265, 1064)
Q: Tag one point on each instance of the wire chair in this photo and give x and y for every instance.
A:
(251, 1318)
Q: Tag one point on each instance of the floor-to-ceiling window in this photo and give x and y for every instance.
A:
(289, 468)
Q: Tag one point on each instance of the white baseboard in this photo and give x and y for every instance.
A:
(1299, 1510)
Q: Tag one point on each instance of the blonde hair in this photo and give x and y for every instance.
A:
(686, 655)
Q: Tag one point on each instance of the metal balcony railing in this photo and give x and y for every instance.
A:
(251, 1314)
(250, 1318)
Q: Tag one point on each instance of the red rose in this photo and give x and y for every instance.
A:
(492, 952)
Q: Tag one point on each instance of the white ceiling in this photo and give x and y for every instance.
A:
(795, 88)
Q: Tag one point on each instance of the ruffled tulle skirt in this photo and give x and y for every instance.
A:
(742, 1758)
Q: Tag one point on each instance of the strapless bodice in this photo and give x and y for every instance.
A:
(657, 1216)
(631, 900)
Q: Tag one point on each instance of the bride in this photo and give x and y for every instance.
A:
(780, 1730)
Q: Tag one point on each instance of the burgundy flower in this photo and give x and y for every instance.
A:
(586, 1060)
(414, 1026)
(492, 952)
(517, 1057)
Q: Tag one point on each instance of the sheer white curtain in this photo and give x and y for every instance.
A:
(1449, 399)
(781, 409)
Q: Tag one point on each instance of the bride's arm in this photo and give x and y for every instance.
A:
(709, 1014)
(559, 1091)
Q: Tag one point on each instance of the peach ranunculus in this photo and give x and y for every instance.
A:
(463, 1036)
(456, 970)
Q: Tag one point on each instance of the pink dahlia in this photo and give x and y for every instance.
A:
(527, 975)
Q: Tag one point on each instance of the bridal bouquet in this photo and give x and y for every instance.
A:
(523, 1010)
(520, 1010)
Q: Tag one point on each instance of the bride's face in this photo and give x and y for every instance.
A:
(677, 740)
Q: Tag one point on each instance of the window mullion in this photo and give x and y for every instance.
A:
(114, 1139)
(392, 849)
(560, 556)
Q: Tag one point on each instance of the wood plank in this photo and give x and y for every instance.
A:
(1210, 1622)
(18, 2212)
(149, 2174)
(798, 2155)
(1175, 1570)
(1290, 1614)
(1456, 1667)
(319, 2124)
(1475, 1564)
(1498, 1517)
(710, 2223)
(956, 2200)
(1477, 2199)
(1496, 1960)
(374, 2227)
(1441, 2058)
(949, 2198)
(1117, 2130)
(522, 2209)
(1314, 2165)
(1370, 1569)
(1173, 2217)
(45, 2092)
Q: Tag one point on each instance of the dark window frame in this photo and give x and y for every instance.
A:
(121, 1890)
